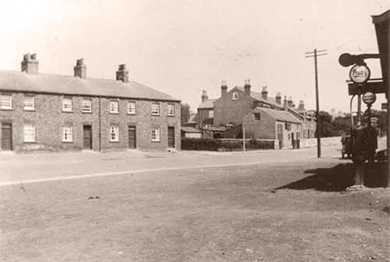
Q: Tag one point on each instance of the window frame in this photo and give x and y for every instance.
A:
(172, 111)
(115, 128)
(64, 109)
(257, 116)
(235, 96)
(31, 138)
(156, 134)
(134, 112)
(112, 102)
(32, 108)
(83, 105)
(211, 113)
(10, 101)
(156, 105)
(70, 132)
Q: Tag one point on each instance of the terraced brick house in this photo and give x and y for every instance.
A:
(55, 112)
(261, 116)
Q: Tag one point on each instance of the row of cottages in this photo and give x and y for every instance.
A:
(54, 112)
(261, 116)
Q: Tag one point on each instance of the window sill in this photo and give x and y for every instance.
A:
(112, 113)
(170, 115)
(155, 115)
(132, 114)
(6, 109)
(67, 142)
(67, 111)
(115, 142)
(29, 142)
(85, 112)
(159, 141)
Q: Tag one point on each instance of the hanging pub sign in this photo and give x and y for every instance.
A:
(369, 98)
(359, 74)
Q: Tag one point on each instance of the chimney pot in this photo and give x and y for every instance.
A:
(205, 97)
(264, 93)
(80, 69)
(30, 64)
(278, 98)
(122, 74)
(223, 88)
(247, 87)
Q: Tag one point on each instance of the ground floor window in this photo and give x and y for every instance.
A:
(67, 133)
(155, 134)
(114, 133)
(29, 133)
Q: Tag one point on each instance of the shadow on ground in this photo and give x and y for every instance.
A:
(339, 177)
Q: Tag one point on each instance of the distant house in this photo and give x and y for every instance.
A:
(241, 107)
(55, 112)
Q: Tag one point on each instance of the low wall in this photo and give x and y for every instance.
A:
(325, 141)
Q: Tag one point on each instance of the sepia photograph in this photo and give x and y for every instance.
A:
(194, 130)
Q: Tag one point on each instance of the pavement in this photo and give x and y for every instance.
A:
(18, 168)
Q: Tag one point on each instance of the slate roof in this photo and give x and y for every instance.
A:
(69, 85)
(189, 129)
(208, 104)
(280, 115)
(258, 97)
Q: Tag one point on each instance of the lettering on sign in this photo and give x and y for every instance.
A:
(359, 74)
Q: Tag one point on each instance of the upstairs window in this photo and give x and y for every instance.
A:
(131, 108)
(114, 107)
(171, 110)
(87, 105)
(155, 109)
(235, 96)
(67, 104)
(6, 101)
(211, 114)
(29, 133)
(67, 133)
(257, 116)
(29, 102)
(114, 133)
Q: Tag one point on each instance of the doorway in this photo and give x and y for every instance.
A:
(6, 136)
(132, 137)
(171, 136)
(87, 134)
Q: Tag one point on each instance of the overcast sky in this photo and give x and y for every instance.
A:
(181, 47)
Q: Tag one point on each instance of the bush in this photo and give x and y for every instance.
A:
(207, 144)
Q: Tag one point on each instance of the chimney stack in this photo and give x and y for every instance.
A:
(223, 88)
(205, 97)
(290, 102)
(285, 105)
(264, 93)
(122, 74)
(30, 64)
(247, 87)
(278, 98)
(301, 105)
(80, 69)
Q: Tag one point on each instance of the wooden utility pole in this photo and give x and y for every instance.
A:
(314, 54)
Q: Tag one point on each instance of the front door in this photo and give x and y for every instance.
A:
(292, 139)
(87, 137)
(280, 135)
(132, 137)
(6, 136)
(171, 136)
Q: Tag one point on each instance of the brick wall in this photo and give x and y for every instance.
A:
(227, 110)
(49, 119)
(259, 129)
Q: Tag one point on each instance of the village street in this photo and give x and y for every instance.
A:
(189, 206)
(24, 168)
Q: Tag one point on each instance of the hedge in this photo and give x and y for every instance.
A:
(209, 144)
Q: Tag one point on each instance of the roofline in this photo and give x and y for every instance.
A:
(87, 95)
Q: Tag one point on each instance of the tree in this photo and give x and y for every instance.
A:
(185, 113)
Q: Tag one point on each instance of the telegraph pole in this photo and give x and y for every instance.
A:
(314, 54)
